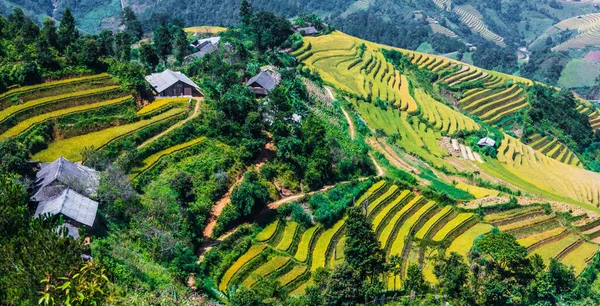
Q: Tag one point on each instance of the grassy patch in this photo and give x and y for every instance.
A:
(478, 192)
(579, 73)
(269, 267)
(292, 275)
(319, 256)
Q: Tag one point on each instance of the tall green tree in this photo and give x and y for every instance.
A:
(133, 26)
(67, 31)
(148, 55)
(123, 46)
(453, 276)
(363, 251)
(246, 12)
(106, 43)
(163, 41)
(49, 32)
(270, 30)
(181, 44)
(343, 287)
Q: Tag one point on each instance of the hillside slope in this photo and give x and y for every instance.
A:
(391, 98)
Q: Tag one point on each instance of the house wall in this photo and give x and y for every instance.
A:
(180, 89)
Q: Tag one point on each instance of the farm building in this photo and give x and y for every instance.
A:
(262, 83)
(62, 187)
(198, 44)
(306, 31)
(172, 84)
(486, 142)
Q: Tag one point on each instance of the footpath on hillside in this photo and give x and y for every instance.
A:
(176, 125)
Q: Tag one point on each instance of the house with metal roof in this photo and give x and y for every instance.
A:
(205, 41)
(77, 209)
(306, 31)
(172, 84)
(486, 142)
(64, 188)
(264, 82)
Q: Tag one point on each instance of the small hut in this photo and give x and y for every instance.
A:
(486, 142)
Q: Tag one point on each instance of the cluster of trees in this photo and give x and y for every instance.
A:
(30, 53)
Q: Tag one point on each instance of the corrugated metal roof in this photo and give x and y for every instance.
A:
(486, 142)
(204, 50)
(163, 80)
(265, 79)
(71, 204)
(308, 31)
(63, 172)
(200, 42)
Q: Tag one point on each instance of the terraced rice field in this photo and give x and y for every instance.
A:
(254, 251)
(71, 148)
(522, 164)
(160, 103)
(592, 114)
(267, 232)
(588, 27)
(24, 125)
(401, 220)
(473, 19)
(288, 236)
(548, 240)
(152, 159)
(478, 192)
(553, 148)
(493, 105)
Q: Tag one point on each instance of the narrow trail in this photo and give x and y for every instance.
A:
(380, 171)
(208, 243)
(176, 125)
(348, 119)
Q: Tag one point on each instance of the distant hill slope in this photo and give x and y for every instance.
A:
(392, 99)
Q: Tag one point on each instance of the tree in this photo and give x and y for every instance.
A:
(270, 30)
(395, 267)
(503, 248)
(13, 206)
(453, 276)
(244, 297)
(67, 32)
(14, 157)
(363, 251)
(49, 32)
(181, 44)
(343, 287)
(246, 12)
(90, 51)
(123, 46)
(148, 55)
(87, 285)
(163, 41)
(415, 281)
(250, 195)
(133, 26)
(106, 42)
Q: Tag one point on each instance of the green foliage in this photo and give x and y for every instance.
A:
(328, 208)
(363, 251)
(343, 286)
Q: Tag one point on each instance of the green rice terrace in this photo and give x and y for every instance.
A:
(91, 112)
(390, 96)
(413, 227)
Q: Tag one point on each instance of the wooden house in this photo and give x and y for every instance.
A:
(172, 84)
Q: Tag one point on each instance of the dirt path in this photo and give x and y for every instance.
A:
(380, 171)
(266, 153)
(174, 126)
(348, 119)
